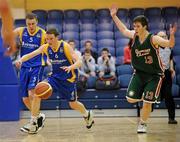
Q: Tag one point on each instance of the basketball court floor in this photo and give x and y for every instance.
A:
(106, 129)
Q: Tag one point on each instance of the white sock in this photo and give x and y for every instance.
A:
(142, 121)
(34, 118)
(39, 115)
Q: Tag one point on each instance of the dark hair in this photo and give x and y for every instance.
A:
(141, 19)
(71, 40)
(88, 41)
(105, 49)
(31, 16)
(52, 31)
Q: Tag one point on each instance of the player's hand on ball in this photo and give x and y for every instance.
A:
(66, 68)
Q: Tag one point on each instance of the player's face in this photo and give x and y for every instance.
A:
(31, 25)
(139, 29)
(51, 39)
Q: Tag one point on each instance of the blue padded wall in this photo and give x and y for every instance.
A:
(9, 102)
(8, 74)
(9, 89)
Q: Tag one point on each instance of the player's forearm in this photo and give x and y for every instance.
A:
(7, 26)
(171, 65)
(6, 17)
(171, 41)
(25, 58)
(77, 64)
(29, 56)
(6, 14)
(119, 24)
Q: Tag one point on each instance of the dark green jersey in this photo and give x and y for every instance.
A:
(145, 57)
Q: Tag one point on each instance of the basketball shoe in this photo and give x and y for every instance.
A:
(35, 125)
(142, 128)
(41, 120)
(89, 119)
(31, 127)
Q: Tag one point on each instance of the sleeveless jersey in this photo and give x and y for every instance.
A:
(31, 42)
(59, 58)
(145, 56)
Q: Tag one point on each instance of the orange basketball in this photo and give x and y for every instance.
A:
(43, 90)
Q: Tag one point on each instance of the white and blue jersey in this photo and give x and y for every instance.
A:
(31, 42)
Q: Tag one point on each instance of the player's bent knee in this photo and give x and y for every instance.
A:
(131, 100)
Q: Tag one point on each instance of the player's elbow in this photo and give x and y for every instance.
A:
(124, 31)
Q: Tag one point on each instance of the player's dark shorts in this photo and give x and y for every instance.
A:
(66, 89)
(29, 77)
(144, 86)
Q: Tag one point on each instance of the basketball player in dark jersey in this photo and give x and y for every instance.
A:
(148, 71)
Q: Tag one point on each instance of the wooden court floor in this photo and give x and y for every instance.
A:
(118, 129)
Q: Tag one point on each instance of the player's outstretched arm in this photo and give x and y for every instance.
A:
(29, 56)
(172, 31)
(163, 42)
(32, 54)
(122, 28)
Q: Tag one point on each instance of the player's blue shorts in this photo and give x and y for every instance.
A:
(66, 89)
(29, 77)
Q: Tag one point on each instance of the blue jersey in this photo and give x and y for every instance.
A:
(31, 42)
(59, 58)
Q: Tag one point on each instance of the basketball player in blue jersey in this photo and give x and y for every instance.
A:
(31, 38)
(146, 81)
(65, 63)
(7, 27)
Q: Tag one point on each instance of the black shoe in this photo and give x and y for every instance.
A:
(172, 121)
